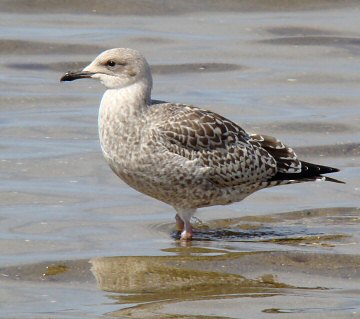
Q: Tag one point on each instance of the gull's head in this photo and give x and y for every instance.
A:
(116, 69)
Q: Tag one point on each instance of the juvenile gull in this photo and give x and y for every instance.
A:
(182, 155)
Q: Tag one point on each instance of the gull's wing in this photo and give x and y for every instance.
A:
(231, 157)
(286, 159)
(290, 168)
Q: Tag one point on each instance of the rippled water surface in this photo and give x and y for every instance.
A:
(76, 242)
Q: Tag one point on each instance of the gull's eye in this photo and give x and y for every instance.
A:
(111, 63)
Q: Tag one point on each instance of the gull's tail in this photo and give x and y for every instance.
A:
(309, 172)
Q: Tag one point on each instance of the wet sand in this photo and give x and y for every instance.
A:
(76, 242)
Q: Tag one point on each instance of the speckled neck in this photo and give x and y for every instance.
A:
(119, 116)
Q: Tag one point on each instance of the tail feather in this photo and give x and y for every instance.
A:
(313, 169)
(309, 172)
(334, 180)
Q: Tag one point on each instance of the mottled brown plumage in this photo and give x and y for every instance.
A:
(184, 156)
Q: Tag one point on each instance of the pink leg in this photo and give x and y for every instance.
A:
(183, 222)
(187, 232)
(179, 223)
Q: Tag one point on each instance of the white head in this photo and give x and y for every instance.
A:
(116, 69)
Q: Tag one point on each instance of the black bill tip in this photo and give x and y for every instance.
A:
(71, 76)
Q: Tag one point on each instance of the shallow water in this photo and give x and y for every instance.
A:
(76, 242)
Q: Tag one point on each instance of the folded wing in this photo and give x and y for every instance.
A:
(231, 157)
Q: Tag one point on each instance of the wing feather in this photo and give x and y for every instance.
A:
(216, 143)
(286, 159)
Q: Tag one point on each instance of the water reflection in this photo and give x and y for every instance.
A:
(144, 285)
(149, 286)
(199, 279)
(143, 280)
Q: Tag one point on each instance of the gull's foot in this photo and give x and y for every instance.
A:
(183, 224)
(186, 235)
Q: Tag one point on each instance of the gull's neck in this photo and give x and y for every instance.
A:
(121, 118)
(129, 101)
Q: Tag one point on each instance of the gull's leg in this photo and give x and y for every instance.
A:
(179, 223)
(187, 233)
(184, 215)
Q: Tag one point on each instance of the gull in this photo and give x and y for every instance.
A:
(182, 155)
